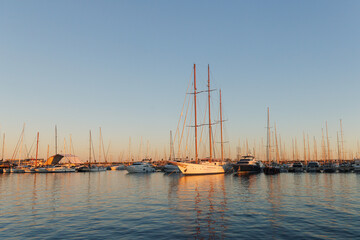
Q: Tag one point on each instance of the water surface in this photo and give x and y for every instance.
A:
(115, 205)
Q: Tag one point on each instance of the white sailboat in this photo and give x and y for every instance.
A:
(202, 167)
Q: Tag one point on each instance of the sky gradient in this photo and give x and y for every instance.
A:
(125, 66)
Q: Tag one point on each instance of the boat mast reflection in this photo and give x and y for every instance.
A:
(203, 199)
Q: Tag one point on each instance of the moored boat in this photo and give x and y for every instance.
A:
(313, 167)
(171, 168)
(140, 167)
(272, 169)
(296, 167)
(247, 164)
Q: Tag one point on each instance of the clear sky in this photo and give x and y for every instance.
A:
(125, 66)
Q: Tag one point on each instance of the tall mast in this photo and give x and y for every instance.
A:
(171, 146)
(315, 150)
(37, 149)
(338, 146)
(209, 114)
(90, 147)
(221, 131)
(293, 150)
(22, 138)
(55, 139)
(277, 147)
(100, 138)
(3, 147)
(328, 143)
(268, 152)
(342, 141)
(304, 148)
(196, 150)
(323, 145)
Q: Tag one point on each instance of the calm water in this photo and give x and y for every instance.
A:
(115, 205)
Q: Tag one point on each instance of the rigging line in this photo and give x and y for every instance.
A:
(17, 145)
(189, 84)
(183, 128)
(28, 152)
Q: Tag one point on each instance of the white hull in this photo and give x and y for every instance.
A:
(200, 169)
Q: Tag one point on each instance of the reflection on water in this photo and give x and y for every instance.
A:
(203, 201)
(115, 205)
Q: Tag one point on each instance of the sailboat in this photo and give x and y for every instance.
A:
(202, 167)
(89, 167)
(271, 168)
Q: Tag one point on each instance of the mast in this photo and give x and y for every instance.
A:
(22, 138)
(55, 139)
(342, 141)
(3, 147)
(221, 131)
(328, 143)
(338, 146)
(315, 150)
(90, 148)
(37, 149)
(323, 145)
(308, 142)
(268, 152)
(196, 147)
(293, 150)
(304, 148)
(100, 138)
(172, 151)
(277, 147)
(209, 114)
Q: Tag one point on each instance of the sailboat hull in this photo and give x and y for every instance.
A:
(200, 169)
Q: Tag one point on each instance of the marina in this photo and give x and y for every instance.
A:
(258, 98)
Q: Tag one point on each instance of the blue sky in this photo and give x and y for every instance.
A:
(125, 66)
